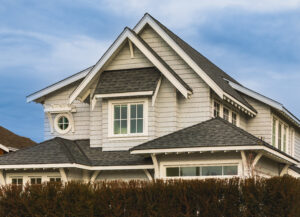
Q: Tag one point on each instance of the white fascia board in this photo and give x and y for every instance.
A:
(112, 95)
(239, 103)
(124, 35)
(58, 85)
(68, 165)
(264, 99)
(205, 149)
(111, 50)
(4, 148)
(148, 20)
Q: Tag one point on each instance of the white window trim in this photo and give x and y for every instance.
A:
(45, 176)
(165, 164)
(56, 127)
(289, 145)
(221, 112)
(111, 103)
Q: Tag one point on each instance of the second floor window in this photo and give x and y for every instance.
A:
(280, 135)
(226, 114)
(128, 119)
(219, 110)
(216, 109)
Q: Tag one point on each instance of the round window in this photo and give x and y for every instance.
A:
(62, 123)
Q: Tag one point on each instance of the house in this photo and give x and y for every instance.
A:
(10, 142)
(154, 107)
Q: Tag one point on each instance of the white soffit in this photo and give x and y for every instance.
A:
(58, 85)
(264, 99)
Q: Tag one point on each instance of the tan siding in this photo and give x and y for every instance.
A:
(125, 175)
(189, 111)
(81, 116)
(123, 60)
(267, 167)
(261, 125)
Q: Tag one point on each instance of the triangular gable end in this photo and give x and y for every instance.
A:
(181, 86)
(147, 19)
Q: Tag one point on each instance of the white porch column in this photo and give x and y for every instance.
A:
(95, 175)
(2, 179)
(156, 166)
(245, 164)
(63, 175)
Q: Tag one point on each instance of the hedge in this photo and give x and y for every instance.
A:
(275, 197)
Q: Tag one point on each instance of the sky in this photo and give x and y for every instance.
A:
(255, 41)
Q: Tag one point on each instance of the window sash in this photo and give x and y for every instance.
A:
(128, 118)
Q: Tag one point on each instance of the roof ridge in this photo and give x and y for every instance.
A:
(59, 141)
(175, 132)
(83, 153)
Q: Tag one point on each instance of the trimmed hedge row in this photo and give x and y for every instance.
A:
(275, 197)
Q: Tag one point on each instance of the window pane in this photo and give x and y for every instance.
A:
(226, 114)
(117, 127)
(230, 170)
(279, 136)
(216, 109)
(14, 181)
(140, 110)
(20, 181)
(173, 172)
(123, 126)
(212, 171)
(124, 112)
(32, 181)
(140, 125)
(52, 179)
(132, 111)
(133, 126)
(117, 112)
(274, 132)
(189, 171)
(284, 138)
(234, 117)
(38, 181)
(58, 179)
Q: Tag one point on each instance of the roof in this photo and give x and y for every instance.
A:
(64, 151)
(215, 132)
(213, 71)
(58, 85)
(128, 80)
(295, 168)
(11, 140)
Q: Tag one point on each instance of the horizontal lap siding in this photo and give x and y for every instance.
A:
(186, 111)
(81, 116)
(297, 145)
(261, 125)
(123, 60)
(125, 175)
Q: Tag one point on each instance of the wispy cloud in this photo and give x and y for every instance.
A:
(49, 54)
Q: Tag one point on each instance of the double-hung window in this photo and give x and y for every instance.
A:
(216, 109)
(280, 133)
(128, 119)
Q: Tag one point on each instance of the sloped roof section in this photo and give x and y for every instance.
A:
(11, 140)
(128, 80)
(213, 71)
(64, 151)
(215, 132)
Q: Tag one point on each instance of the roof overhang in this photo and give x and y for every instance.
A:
(147, 19)
(74, 165)
(58, 85)
(266, 150)
(98, 68)
(272, 103)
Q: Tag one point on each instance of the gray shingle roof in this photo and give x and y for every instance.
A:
(213, 71)
(59, 151)
(211, 133)
(296, 169)
(128, 80)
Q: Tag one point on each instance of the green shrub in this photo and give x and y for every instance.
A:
(279, 196)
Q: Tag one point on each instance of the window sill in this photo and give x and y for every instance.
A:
(129, 137)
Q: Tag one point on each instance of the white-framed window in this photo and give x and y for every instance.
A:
(128, 118)
(227, 114)
(17, 181)
(292, 142)
(35, 180)
(201, 171)
(280, 135)
(54, 179)
(62, 123)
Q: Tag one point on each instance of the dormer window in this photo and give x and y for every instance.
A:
(219, 110)
(128, 118)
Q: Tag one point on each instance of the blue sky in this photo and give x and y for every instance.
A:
(255, 41)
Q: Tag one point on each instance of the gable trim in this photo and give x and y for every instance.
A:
(58, 85)
(103, 60)
(147, 19)
(113, 95)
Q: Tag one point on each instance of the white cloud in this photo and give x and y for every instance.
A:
(47, 54)
(182, 13)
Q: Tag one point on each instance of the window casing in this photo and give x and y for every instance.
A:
(54, 179)
(62, 123)
(220, 110)
(128, 118)
(17, 181)
(202, 171)
(35, 180)
(280, 135)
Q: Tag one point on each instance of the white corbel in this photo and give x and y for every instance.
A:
(156, 166)
(148, 175)
(156, 91)
(284, 170)
(256, 159)
(95, 175)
